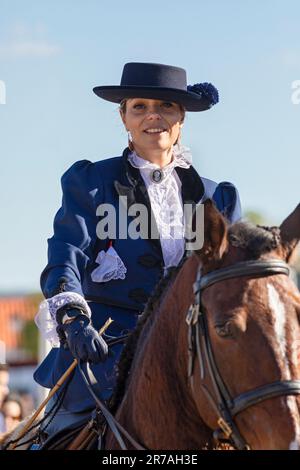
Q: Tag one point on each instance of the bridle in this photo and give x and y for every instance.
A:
(199, 345)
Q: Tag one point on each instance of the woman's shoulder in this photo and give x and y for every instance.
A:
(225, 196)
(84, 171)
(211, 186)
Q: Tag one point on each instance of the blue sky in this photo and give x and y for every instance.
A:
(53, 53)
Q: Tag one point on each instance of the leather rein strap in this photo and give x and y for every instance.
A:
(199, 345)
(116, 428)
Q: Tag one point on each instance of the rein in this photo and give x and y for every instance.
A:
(116, 428)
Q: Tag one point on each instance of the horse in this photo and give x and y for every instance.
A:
(236, 374)
(215, 355)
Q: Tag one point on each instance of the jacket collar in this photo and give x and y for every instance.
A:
(192, 186)
(131, 179)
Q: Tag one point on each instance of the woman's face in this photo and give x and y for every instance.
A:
(153, 124)
(12, 414)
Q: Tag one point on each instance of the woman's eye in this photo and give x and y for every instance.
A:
(166, 104)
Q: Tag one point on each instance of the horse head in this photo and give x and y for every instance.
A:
(246, 381)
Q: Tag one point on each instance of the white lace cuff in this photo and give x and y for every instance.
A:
(110, 266)
(45, 319)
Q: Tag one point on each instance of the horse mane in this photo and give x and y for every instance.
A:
(255, 239)
(128, 352)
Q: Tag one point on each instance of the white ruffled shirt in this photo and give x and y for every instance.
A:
(166, 201)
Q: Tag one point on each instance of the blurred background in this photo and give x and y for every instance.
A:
(51, 56)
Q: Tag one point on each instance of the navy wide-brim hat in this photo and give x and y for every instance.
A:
(160, 81)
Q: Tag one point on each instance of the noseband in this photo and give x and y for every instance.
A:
(199, 345)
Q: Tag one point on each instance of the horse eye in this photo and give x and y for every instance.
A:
(224, 330)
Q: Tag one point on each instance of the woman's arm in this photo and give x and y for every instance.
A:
(65, 311)
(74, 226)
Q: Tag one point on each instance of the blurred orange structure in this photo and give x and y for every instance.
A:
(15, 312)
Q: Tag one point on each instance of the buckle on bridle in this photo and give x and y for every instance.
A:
(192, 315)
(225, 428)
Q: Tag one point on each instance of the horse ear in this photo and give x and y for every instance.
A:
(290, 233)
(215, 234)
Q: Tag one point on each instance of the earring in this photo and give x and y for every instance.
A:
(178, 141)
(130, 142)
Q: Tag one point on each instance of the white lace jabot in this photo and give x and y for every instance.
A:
(181, 157)
(166, 201)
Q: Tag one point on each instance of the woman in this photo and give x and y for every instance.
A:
(91, 274)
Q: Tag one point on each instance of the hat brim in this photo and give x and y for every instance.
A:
(191, 101)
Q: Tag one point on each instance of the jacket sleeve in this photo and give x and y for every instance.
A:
(74, 226)
(228, 202)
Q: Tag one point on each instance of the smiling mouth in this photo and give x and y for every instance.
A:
(155, 131)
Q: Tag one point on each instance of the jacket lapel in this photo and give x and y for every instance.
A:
(192, 187)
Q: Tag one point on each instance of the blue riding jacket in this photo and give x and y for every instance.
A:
(73, 249)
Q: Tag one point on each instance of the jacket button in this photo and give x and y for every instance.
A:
(149, 261)
(138, 295)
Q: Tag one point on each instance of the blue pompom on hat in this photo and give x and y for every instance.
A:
(205, 89)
